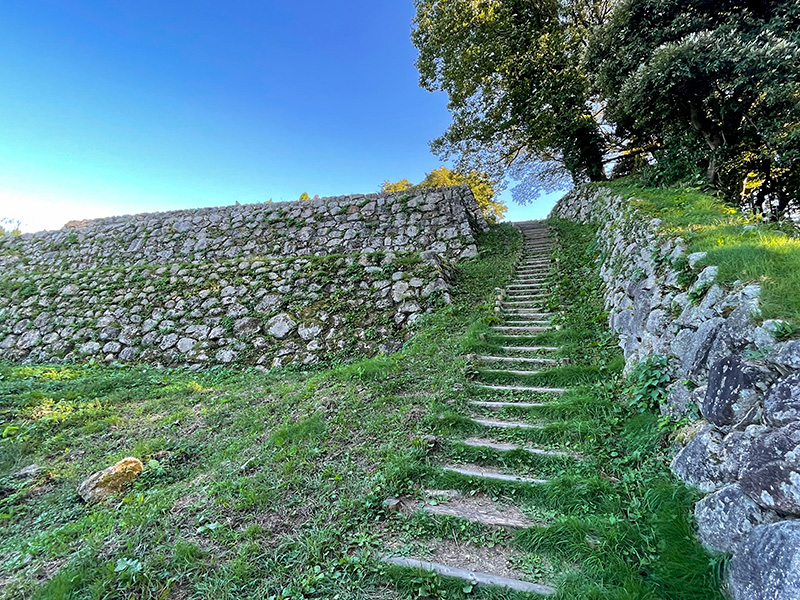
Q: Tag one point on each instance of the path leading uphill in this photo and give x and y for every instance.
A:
(513, 378)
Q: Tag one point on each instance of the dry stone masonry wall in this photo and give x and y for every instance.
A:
(263, 284)
(743, 449)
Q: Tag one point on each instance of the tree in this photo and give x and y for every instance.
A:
(397, 186)
(714, 83)
(517, 91)
(9, 227)
(480, 184)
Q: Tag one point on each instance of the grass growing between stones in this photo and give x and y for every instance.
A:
(270, 486)
(743, 248)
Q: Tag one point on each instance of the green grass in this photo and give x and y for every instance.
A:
(271, 486)
(766, 253)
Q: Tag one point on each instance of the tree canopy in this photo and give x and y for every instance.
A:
(674, 88)
(480, 184)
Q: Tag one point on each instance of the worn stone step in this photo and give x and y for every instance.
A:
(474, 442)
(501, 405)
(520, 372)
(487, 473)
(529, 348)
(526, 329)
(523, 323)
(481, 579)
(477, 508)
(504, 424)
(519, 388)
(522, 303)
(528, 313)
(518, 359)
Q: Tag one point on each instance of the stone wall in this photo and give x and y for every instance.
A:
(332, 277)
(738, 384)
(442, 220)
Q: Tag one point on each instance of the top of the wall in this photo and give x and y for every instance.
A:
(444, 220)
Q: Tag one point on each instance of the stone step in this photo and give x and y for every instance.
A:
(519, 388)
(531, 329)
(521, 373)
(502, 405)
(503, 424)
(529, 348)
(474, 442)
(522, 303)
(491, 474)
(477, 508)
(518, 359)
(481, 579)
(517, 322)
(528, 313)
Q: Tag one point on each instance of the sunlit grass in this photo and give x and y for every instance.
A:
(744, 248)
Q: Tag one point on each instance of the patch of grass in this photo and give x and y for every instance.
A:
(743, 248)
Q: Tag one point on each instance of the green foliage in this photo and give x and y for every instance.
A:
(707, 83)
(480, 184)
(648, 383)
(743, 248)
(513, 77)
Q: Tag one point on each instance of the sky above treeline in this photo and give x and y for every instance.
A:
(122, 107)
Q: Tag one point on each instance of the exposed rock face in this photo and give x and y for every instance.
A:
(745, 383)
(103, 484)
(766, 565)
(724, 517)
(265, 284)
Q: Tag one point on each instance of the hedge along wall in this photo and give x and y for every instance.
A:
(743, 449)
(171, 289)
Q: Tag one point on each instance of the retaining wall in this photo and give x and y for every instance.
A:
(731, 377)
(260, 284)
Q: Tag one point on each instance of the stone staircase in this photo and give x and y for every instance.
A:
(509, 384)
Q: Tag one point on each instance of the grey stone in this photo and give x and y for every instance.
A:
(699, 462)
(280, 326)
(226, 355)
(774, 485)
(246, 326)
(724, 517)
(731, 396)
(695, 257)
(766, 564)
(782, 403)
(29, 339)
(693, 362)
(678, 398)
(269, 303)
(185, 344)
(89, 348)
(168, 341)
(308, 331)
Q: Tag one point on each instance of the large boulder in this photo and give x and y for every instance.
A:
(733, 392)
(770, 474)
(766, 564)
(782, 403)
(724, 517)
(103, 484)
(702, 462)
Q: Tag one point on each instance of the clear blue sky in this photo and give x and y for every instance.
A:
(118, 107)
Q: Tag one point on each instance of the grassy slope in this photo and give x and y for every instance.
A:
(768, 254)
(270, 486)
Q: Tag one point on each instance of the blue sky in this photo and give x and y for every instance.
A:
(112, 108)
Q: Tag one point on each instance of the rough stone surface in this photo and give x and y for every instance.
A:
(782, 403)
(725, 516)
(700, 462)
(263, 284)
(103, 484)
(747, 386)
(732, 396)
(766, 565)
